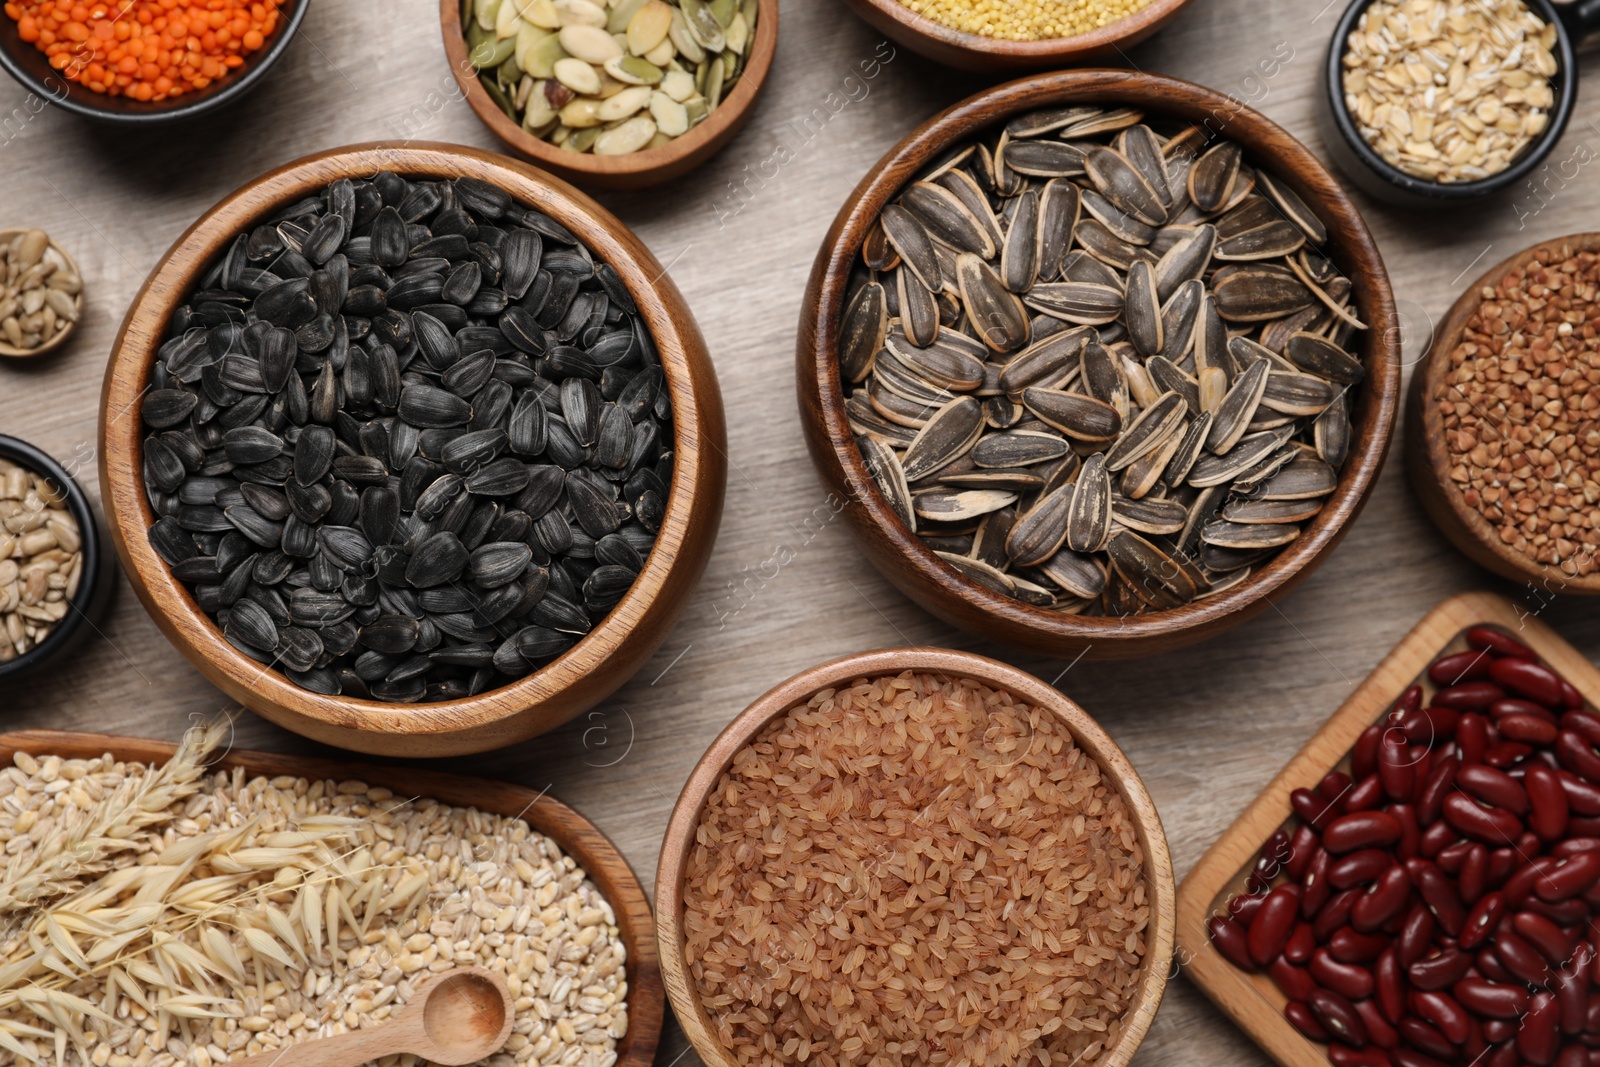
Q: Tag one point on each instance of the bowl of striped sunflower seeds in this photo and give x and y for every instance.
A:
(1100, 361)
(413, 450)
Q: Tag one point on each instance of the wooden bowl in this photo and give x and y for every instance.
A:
(1086, 733)
(64, 261)
(990, 55)
(1252, 1000)
(31, 68)
(579, 679)
(909, 564)
(1428, 461)
(637, 170)
(577, 836)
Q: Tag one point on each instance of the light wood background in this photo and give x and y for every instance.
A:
(1207, 728)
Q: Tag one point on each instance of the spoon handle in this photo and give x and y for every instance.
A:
(342, 1050)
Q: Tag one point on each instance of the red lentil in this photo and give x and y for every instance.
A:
(145, 49)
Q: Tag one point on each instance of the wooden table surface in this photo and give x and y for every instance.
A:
(786, 588)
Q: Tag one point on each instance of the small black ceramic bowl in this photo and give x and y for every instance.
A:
(94, 587)
(1383, 181)
(32, 69)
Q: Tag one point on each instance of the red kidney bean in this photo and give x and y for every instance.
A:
(1582, 722)
(1410, 831)
(1423, 1035)
(1244, 906)
(1531, 729)
(1501, 644)
(1527, 844)
(1504, 1056)
(1302, 847)
(1430, 726)
(1416, 932)
(1441, 779)
(1338, 1017)
(1308, 805)
(1473, 881)
(1345, 1056)
(1538, 1041)
(1443, 969)
(1545, 936)
(1349, 980)
(1573, 1056)
(1570, 695)
(1231, 940)
(1520, 958)
(1496, 826)
(1472, 738)
(1300, 1017)
(1382, 902)
(1443, 1012)
(1379, 1031)
(1334, 915)
(1362, 829)
(1496, 1000)
(1396, 767)
(1358, 868)
(1506, 754)
(1301, 944)
(1469, 666)
(1520, 885)
(1518, 706)
(1439, 892)
(1494, 787)
(1405, 1057)
(1571, 877)
(1572, 988)
(1577, 755)
(1502, 862)
(1527, 678)
(1591, 1018)
(1566, 913)
(1436, 839)
(1296, 982)
(1334, 785)
(1469, 696)
(1390, 985)
(1350, 945)
(1497, 1030)
(1584, 826)
(1482, 920)
(1582, 797)
(1451, 859)
(1315, 889)
(1364, 795)
(1490, 967)
(1547, 802)
(1270, 929)
(1571, 846)
(1364, 754)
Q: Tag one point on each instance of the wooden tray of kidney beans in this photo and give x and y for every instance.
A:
(1440, 903)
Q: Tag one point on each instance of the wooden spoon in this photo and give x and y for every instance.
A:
(459, 1017)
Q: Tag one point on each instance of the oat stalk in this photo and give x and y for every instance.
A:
(82, 850)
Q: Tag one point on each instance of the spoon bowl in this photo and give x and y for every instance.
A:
(466, 1015)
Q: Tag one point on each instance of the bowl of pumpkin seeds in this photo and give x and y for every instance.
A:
(1113, 370)
(414, 450)
(612, 93)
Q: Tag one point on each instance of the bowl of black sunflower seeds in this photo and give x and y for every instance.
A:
(413, 450)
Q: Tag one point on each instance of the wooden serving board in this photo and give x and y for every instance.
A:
(1252, 1000)
(575, 834)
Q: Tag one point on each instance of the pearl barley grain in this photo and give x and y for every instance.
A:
(1449, 92)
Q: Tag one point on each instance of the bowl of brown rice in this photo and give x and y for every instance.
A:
(914, 856)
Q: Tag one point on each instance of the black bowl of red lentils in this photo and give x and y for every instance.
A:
(1503, 420)
(140, 62)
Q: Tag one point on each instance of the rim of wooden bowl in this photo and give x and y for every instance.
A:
(579, 838)
(67, 262)
(605, 657)
(975, 52)
(1429, 463)
(1086, 733)
(903, 558)
(636, 169)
